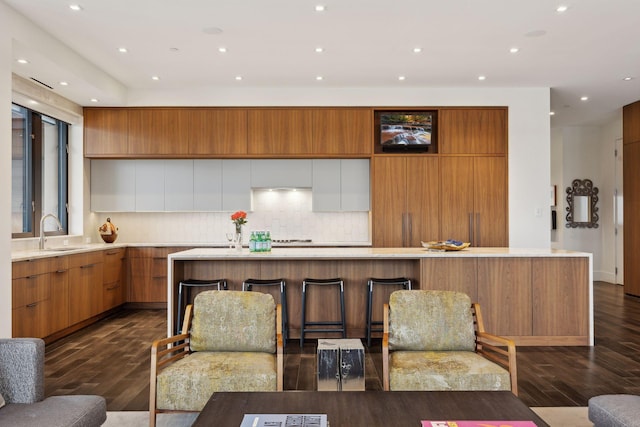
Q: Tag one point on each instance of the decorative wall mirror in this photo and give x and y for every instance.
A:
(582, 200)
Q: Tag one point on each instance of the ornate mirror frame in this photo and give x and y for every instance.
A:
(582, 200)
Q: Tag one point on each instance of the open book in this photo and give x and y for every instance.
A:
(284, 420)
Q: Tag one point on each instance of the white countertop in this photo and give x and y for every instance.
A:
(365, 253)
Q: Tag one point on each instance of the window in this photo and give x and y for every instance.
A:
(39, 172)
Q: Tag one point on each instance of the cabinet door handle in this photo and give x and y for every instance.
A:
(404, 229)
(33, 304)
(61, 271)
(471, 228)
(410, 221)
(477, 240)
(113, 253)
(87, 266)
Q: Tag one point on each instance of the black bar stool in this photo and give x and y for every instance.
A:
(184, 295)
(338, 325)
(249, 284)
(399, 282)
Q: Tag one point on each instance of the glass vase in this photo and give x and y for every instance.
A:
(238, 237)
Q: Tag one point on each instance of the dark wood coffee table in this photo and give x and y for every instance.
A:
(368, 408)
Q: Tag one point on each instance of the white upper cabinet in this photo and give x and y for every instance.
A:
(207, 185)
(340, 185)
(325, 192)
(279, 173)
(113, 185)
(354, 185)
(178, 185)
(236, 185)
(149, 185)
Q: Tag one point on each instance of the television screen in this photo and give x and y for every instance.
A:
(406, 131)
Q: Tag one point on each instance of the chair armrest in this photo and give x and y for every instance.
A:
(492, 347)
(385, 349)
(22, 368)
(279, 349)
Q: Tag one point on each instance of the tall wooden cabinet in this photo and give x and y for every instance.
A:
(631, 182)
(472, 131)
(405, 201)
(473, 200)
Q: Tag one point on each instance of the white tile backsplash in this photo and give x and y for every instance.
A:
(285, 213)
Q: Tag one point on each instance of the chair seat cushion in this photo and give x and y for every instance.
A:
(615, 410)
(450, 370)
(188, 384)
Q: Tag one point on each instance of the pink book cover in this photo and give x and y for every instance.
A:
(478, 424)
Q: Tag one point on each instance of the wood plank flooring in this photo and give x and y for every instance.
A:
(111, 358)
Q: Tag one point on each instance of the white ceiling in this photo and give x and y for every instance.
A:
(585, 51)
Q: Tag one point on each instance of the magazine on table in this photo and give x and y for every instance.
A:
(426, 423)
(284, 420)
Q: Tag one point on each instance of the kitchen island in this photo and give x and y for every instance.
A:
(534, 296)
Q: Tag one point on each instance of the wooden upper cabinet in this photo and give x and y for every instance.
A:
(105, 132)
(472, 131)
(214, 131)
(158, 131)
(342, 131)
(631, 123)
(286, 131)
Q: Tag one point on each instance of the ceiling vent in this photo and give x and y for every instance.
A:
(43, 84)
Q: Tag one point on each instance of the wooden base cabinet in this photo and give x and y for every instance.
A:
(39, 297)
(113, 279)
(405, 206)
(631, 181)
(85, 286)
(148, 274)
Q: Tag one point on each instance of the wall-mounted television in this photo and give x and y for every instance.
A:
(407, 131)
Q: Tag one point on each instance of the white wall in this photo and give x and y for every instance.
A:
(587, 152)
(5, 175)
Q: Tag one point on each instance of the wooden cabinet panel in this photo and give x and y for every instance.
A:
(473, 200)
(148, 273)
(631, 124)
(59, 314)
(342, 131)
(158, 131)
(31, 320)
(31, 289)
(491, 225)
(504, 291)
(113, 283)
(214, 131)
(280, 131)
(560, 302)
(85, 286)
(631, 184)
(405, 200)
(450, 274)
(105, 132)
(456, 198)
(472, 131)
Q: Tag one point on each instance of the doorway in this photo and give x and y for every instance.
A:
(618, 214)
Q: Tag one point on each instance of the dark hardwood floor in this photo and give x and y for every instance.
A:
(111, 358)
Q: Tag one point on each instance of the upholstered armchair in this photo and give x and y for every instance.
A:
(233, 342)
(435, 340)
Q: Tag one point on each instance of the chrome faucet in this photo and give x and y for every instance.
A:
(42, 238)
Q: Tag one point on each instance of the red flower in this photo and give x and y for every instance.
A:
(239, 217)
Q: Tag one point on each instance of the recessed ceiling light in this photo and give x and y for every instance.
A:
(319, 78)
(156, 78)
(482, 78)
(122, 50)
(626, 79)
(552, 113)
(33, 102)
(417, 49)
(401, 78)
(22, 61)
(514, 50)
(320, 8)
(238, 78)
(222, 49)
(319, 50)
(94, 99)
(562, 8)
(64, 84)
(584, 98)
(75, 7)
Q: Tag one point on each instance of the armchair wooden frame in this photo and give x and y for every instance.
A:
(495, 348)
(169, 350)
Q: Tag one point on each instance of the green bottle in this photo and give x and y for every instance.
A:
(252, 242)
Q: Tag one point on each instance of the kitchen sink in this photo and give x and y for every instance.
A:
(63, 249)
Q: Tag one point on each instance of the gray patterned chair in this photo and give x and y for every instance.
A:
(233, 342)
(22, 389)
(435, 340)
